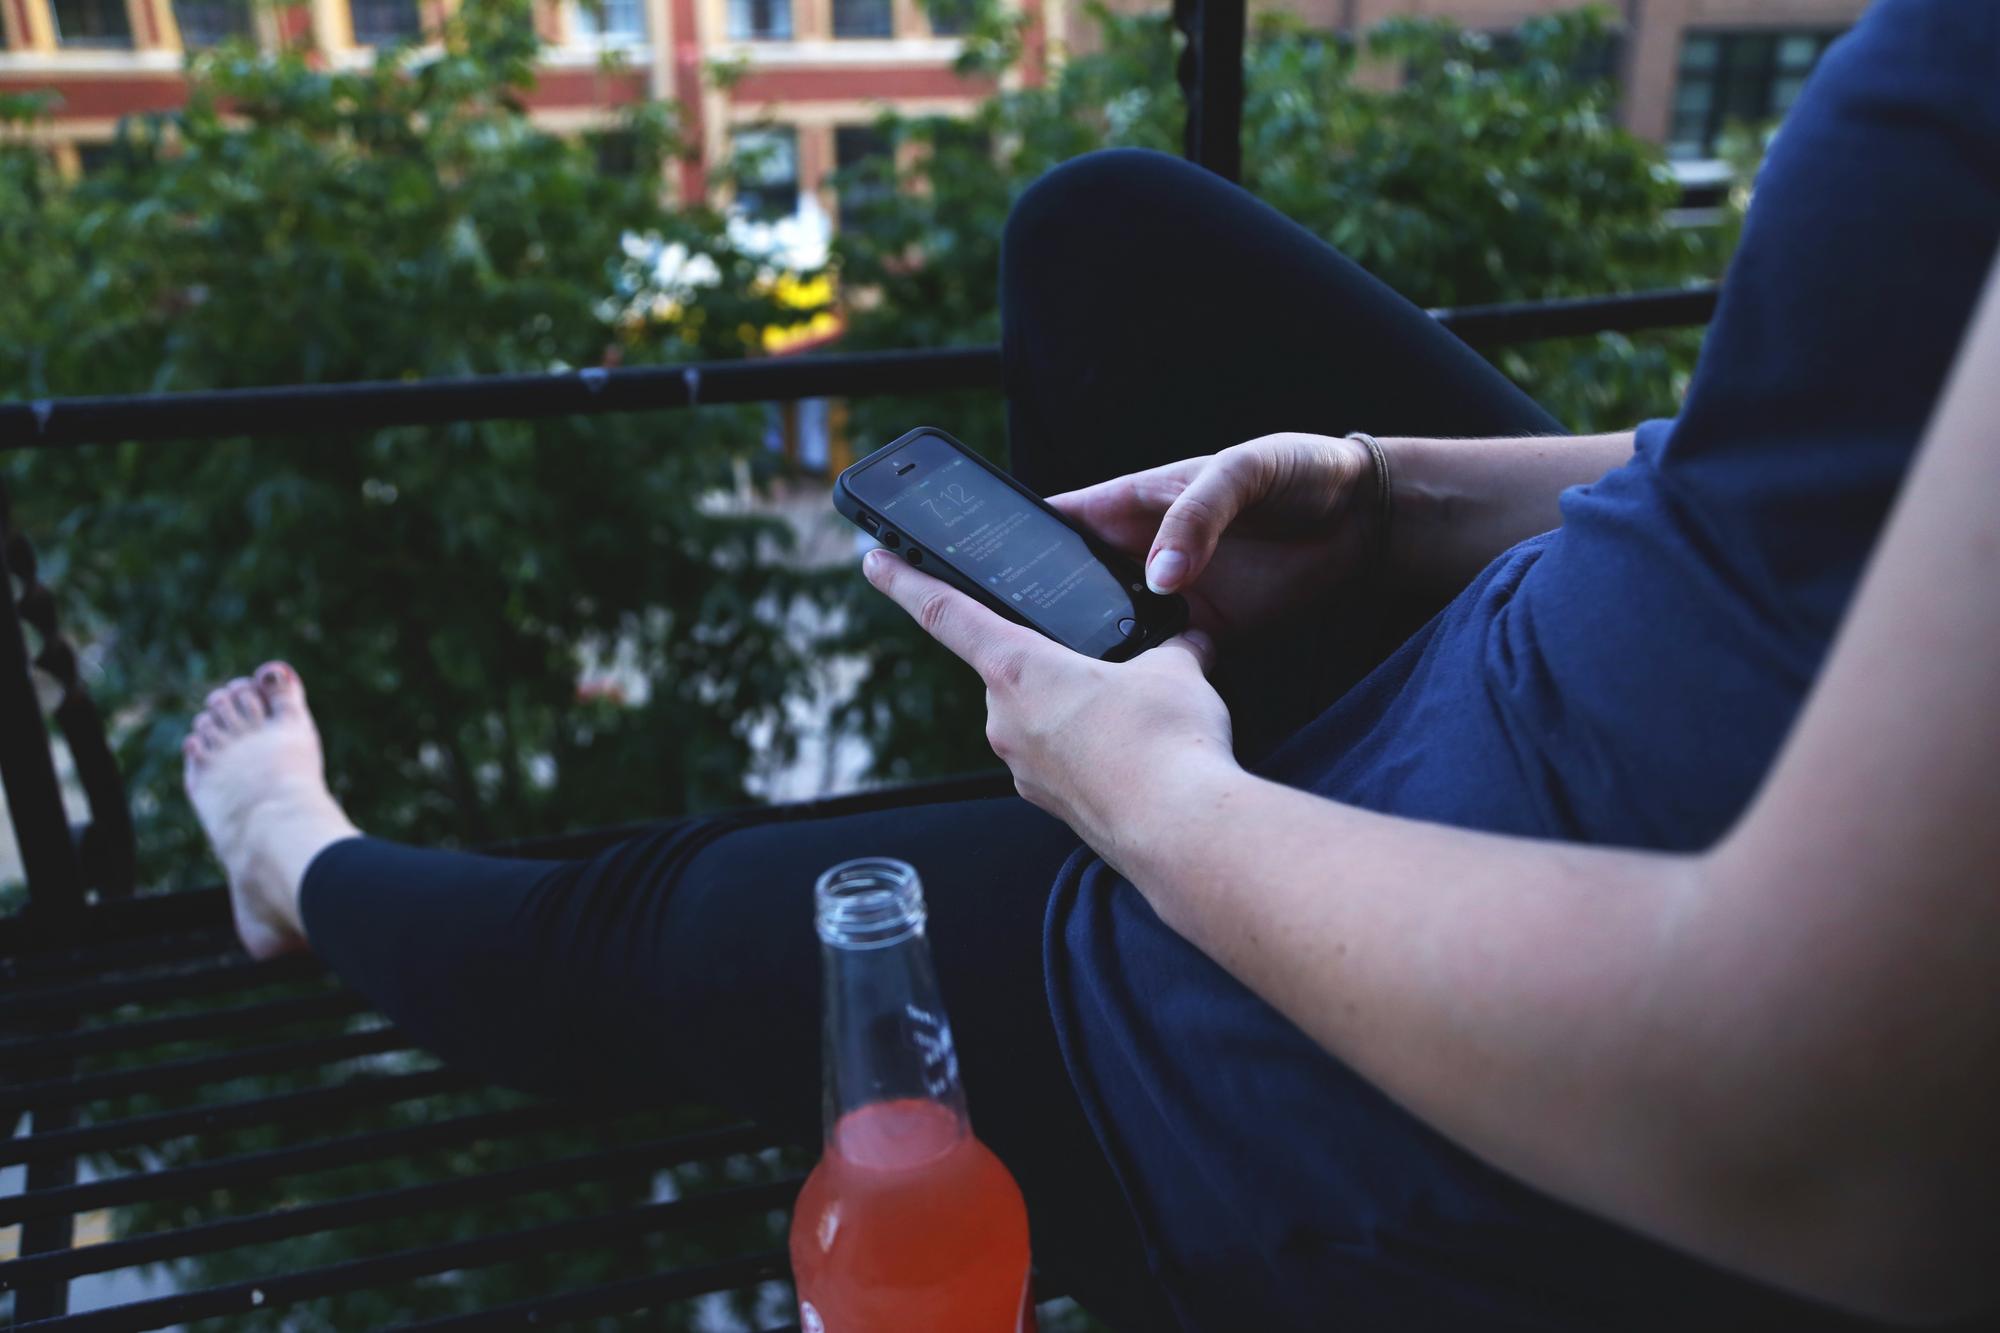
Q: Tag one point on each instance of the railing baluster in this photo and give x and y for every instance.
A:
(34, 800)
(106, 851)
(1211, 76)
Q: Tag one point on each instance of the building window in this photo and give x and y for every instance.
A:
(95, 159)
(611, 20)
(1737, 77)
(767, 171)
(1595, 61)
(617, 151)
(951, 18)
(92, 23)
(866, 162)
(760, 20)
(211, 22)
(862, 18)
(384, 22)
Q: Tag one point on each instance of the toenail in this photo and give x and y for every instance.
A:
(270, 676)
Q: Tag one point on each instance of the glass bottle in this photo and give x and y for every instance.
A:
(908, 1224)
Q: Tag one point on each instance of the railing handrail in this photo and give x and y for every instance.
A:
(379, 404)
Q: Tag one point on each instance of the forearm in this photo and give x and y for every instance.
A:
(1506, 991)
(1777, 1054)
(1558, 1010)
(1459, 503)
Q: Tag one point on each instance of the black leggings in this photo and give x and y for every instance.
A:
(1151, 312)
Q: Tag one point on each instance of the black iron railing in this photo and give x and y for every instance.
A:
(294, 409)
(114, 1004)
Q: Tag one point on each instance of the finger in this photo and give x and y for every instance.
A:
(1153, 488)
(1125, 511)
(1233, 480)
(990, 645)
(1194, 644)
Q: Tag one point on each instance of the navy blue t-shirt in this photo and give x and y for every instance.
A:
(1625, 679)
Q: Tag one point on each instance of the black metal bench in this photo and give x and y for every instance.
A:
(145, 1064)
(127, 1020)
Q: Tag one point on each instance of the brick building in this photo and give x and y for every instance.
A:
(815, 72)
(821, 70)
(1687, 67)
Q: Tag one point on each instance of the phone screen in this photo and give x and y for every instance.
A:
(990, 532)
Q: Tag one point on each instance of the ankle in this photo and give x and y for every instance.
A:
(283, 838)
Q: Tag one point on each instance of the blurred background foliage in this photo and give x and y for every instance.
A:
(458, 597)
(522, 627)
(445, 591)
(1489, 169)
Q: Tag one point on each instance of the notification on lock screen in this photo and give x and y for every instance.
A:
(991, 532)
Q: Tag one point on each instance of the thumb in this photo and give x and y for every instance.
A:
(1195, 644)
(1193, 524)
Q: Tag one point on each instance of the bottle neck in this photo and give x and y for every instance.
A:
(886, 1038)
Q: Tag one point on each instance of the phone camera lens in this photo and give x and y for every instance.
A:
(891, 539)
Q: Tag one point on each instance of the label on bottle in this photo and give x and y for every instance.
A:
(931, 1035)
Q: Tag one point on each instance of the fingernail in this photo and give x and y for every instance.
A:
(873, 564)
(1165, 570)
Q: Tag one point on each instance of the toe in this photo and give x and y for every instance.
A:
(208, 729)
(282, 689)
(247, 703)
(193, 750)
(218, 708)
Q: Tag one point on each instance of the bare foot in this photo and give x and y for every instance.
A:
(258, 782)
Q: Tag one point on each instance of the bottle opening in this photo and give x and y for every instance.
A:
(870, 902)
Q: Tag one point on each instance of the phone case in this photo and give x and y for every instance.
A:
(1160, 616)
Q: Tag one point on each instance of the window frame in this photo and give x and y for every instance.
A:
(776, 130)
(394, 38)
(209, 42)
(127, 41)
(1724, 107)
(582, 16)
(842, 203)
(736, 32)
(887, 9)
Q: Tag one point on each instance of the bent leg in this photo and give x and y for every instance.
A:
(684, 963)
(1151, 311)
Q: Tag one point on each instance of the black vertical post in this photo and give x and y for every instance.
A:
(1211, 75)
(55, 898)
(34, 800)
(48, 1299)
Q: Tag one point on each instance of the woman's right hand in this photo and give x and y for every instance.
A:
(1246, 535)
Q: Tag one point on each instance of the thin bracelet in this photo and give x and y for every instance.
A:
(1385, 498)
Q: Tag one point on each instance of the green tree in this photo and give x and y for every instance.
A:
(1489, 170)
(449, 594)
(444, 591)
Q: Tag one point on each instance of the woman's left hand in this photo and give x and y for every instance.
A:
(1083, 738)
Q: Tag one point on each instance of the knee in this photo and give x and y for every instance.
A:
(1111, 202)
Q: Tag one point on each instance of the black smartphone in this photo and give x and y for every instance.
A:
(948, 511)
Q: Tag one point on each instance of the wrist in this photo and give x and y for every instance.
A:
(1376, 497)
(1421, 496)
(1152, 819)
